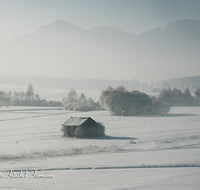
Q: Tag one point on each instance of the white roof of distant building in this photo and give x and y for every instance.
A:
(76, 121)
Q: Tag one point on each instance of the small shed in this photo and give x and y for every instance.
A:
(82, 127)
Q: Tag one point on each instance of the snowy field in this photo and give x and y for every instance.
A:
(146, 152)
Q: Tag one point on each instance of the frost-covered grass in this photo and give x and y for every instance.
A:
(145, 152)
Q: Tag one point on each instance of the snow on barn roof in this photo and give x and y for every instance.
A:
(76, 121)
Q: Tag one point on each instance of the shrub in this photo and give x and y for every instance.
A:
(100, 129)
(69, 131)
(70, 106)
(82, 108)
(158, 107)
(132, 141)
(79, 132)
(122, 102)
(119, 101)
(54, 103)
(73, 102)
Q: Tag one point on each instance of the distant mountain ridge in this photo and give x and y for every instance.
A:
(59, 26)
(179, 30)
(64, 50)
(176, 33)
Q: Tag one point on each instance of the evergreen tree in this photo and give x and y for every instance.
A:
(30, 91)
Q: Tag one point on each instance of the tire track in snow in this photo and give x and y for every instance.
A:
(186, 142)
(15, 188)
(189, 146)
(118, 167)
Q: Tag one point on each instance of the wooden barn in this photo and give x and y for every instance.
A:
(82, 127)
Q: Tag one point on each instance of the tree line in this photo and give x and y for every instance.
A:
(118, 101)
(176, 97)
(27, 98)
(66, 83)
(192, 83)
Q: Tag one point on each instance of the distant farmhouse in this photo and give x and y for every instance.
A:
(80, 127)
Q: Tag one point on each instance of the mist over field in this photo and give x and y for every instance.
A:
(98, 94)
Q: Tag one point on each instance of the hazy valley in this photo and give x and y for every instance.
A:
(63, 50)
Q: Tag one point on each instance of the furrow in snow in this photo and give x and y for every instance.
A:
(118, 167)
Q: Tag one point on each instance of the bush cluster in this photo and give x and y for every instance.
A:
(80, 132)
(119, 101)
(79, 103)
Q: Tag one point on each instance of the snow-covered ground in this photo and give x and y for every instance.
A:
(145, 152)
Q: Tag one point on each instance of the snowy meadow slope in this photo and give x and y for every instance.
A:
(146, 152)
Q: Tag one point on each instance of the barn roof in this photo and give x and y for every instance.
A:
(76, 121)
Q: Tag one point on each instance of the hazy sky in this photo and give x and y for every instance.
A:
(18, 17)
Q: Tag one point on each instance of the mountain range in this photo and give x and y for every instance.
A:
(64, 50)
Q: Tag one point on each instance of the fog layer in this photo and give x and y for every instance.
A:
(61, 49)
